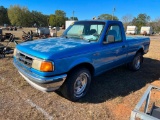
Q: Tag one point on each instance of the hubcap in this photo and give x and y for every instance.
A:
(138, 62)
(80, 84)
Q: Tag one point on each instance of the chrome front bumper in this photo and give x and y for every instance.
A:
(41, 83)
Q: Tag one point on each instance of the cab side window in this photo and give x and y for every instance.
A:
(115, 31)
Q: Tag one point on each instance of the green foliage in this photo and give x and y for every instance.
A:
(52, 20)
(141, 20)
(39, 19)
(58, 19)
(75, 18)
(67, 18)
(21, 16)
(18, 15)
(107, 17)
(3, 16)
(60, 13)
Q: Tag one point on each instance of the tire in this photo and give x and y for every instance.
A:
(135, 65)
(2, 55)
(76, 84)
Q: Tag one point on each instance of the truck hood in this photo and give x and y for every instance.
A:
(55, 48)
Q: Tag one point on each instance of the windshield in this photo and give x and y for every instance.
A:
(85, 30)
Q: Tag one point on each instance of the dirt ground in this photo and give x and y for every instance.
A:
(112, 95)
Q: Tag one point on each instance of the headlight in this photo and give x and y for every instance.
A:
(44, 66)
(15, 52)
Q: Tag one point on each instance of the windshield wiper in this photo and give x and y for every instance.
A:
(89, 40)
(64, 36)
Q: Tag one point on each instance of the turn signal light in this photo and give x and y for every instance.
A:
(46, 66)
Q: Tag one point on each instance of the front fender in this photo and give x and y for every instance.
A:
(80, 61)
(65, 65)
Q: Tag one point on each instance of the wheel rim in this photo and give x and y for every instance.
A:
(80, 84)
(138, 62)
(2, 55)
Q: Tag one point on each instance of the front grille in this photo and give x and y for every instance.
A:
(24, 59)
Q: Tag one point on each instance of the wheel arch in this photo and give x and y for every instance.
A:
(141, 50)
(83, 65)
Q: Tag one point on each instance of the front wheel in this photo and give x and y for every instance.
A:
(136, 63)
(76, 84)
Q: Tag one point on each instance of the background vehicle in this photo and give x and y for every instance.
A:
(27, 36)
(86, 49)
(131, 30)
(68, 23)
(146, 30)
(43, 31)
(4, 37)
(5, 49)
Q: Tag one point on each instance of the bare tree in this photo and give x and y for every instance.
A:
(158, 21)
(127, 20)
(156, 24)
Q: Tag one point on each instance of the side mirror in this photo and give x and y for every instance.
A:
(109, 39)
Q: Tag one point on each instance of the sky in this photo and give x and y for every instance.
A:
(87, 9)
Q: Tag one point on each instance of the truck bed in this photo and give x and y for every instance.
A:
(136, 38)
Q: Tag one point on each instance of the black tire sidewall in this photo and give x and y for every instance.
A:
(133, 65)
(70, 81)
(2, 55)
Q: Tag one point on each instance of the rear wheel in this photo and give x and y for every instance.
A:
(77, 84)
(2, 55)
(136, 63)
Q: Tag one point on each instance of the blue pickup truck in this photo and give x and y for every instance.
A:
(86, 49)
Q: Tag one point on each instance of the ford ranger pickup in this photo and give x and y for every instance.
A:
(84, 50)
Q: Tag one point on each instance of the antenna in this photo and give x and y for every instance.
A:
(73, 15)
(114, 9)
